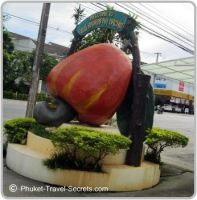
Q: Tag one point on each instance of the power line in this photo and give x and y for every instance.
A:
(97, 5)
(154, 24)
(145, 28)
(167, 39)
(85, 6)
(183, 28)
(150, 31)
(165, 26)
(37, 23)
(151, 22)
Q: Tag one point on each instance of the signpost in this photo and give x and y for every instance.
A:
(110, 19)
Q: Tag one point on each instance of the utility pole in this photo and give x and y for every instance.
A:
(37, 59)
(157, 60)
(157, 56)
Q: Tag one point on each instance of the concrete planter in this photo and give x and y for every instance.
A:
(27, 160)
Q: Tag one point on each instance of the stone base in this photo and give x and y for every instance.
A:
(27, 160)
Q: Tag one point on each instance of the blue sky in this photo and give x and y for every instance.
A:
(181, 14)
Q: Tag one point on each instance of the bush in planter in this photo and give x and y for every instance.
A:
(40, 130)
(83, 148)
(16, 129)
(157, 139)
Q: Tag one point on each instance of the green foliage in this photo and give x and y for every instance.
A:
(19, 96)
(40, 130)
(17, 70)
(7, 42)
(16, 129)
(158, 139)
(64, 161)
(84, 148)
(78, 15)
(8, 48)
(48, 62)
(97, 36)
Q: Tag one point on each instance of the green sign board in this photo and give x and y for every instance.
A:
(110, 19)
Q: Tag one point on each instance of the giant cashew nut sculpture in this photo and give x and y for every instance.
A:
(98, 81)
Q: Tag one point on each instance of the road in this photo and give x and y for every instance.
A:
(13, 109)
(184, 124)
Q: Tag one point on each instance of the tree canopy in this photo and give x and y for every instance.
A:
(17, 66)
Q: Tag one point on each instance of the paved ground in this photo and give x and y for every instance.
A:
(13, 109)
(184, 124)
(177, 178)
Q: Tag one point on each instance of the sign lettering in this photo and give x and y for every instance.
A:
(110, 19)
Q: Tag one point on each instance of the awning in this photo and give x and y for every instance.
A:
(180, 69)
(172, 93)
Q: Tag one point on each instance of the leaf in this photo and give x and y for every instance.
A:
(124, 114)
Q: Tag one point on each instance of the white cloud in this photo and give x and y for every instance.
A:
(149, 45)
(31, 11)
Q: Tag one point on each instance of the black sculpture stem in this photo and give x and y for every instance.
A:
(140, 84)
(75, 43)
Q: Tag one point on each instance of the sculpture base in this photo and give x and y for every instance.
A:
(27, 160)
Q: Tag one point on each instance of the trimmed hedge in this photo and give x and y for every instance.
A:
(16, 129)
(19, 96)
(158, 139)
(83, 148)
(76, 147)
(92, 145)
(40, 130)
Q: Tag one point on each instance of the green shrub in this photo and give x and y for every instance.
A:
(40, 130)
(8, 94)
(20, 96)
(157, 139)
(83, 148)
(16, 129)
(42, 97)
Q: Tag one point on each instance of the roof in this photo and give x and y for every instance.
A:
(19, 37)
(54, 49)
(173, 93)
(180, 69)
(51, 48)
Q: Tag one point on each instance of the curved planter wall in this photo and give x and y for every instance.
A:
(27, 160)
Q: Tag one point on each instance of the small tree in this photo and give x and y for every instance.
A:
(158, 139)
(16, 129)
(48, 63)
(83, 148)
(78, 15)
(17, 75)
(8, 48)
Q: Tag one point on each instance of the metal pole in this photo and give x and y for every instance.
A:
(157, 56)
(157, 60)
(37, 60)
